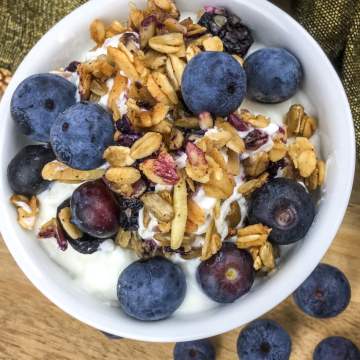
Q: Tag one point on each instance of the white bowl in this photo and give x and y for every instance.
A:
(65, 42)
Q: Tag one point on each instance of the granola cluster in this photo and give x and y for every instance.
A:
(223, 156)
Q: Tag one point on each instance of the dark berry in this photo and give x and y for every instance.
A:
(227, 275)
(151, 289)
(129, 138)
(264, 339)
(274, 167)
(255, 139)
(237, 122)
(324, 294)
(285, 206)
(37, 101)
(273, 75)
(236, 37)
(195, 350)
(222, 82)
(111, 336)
(95, 210)
(24, 170)
(81, 134)
(129, 213)
(72, 67)
(336, 348)
(124, 125)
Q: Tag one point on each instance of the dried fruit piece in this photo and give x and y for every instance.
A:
(255, 139)
(237, 122)
(97, 32)
(118, 156)
(28, 210)
(53, 229)
(158, 207)
(124, 175)
(212, 242)
(161, 170)
(180, 216)
(252, 235)
(256, 164)
(213, 44)
(71, 229)
(60, 172)
(146, 145)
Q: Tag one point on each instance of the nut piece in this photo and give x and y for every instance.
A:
(53, 229)
(158, 207)
(168, 43)
(212, 242)
(256, 121)
(123, 238)
(71, 229)
(303, 155)
(178, 67)
(299, 123)
(250, 186)
(180, 208)
(56, 170)
(28, 210)
(165, 86)
(147, 30)
(183, 175)
(166, 238)
(97, 32)
(220, 189)
(161, 170)
(236, 143)
(216, 210)
(146, 218)
(123, 62)
(267, 255)
(279, 149)
(195, 213)
(256, 164)
(257, 260)
(124, 175)
(233, 217)
(317, 176)
(252, 235)
(173, 26)
(206, 121)
(120, 85)
(118, 156)
(146, 145)
(157, 93)
(213, 44)
(321, 167)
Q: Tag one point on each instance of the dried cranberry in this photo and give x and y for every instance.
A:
(72, 67)
(255, 139)
(274, 167)
(124, 125)
(128, 139)
(138, 85)
(160, 26)
(144, 104)
(237, 123)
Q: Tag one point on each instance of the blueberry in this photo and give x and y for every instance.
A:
(324, 294)
(111, 336)
(213, 81)
(37, 101)
(285, 206)
(195, 350)
(273, 75)
(24, 170)
(227, 275)
(336, 348)
(264, 339)
(81, 134)
(151, 289)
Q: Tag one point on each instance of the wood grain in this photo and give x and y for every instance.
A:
(33, 328)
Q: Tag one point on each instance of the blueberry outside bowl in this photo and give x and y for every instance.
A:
(321, 84)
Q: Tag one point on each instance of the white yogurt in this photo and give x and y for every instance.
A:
(98, 273)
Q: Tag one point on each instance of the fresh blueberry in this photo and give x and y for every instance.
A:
(94, 209)
(81, 134)
(24, 170)
(37, 101)
(273, 75)
(111, 336)
(324, 294)
(285, 206)
(151, 289)
(336, 348)
(227, 275)
(213, 81)
(195, 350)
(264, 339)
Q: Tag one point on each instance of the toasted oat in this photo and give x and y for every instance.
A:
(236, 143)
(212, 243)
(170, 72)
(123, 62)
(165, 86)
(97, 31)
(115, 28)
(123, 175)
(257, 121)
(267, 255)
(250, 186)
(252, 235)
(194, 29)
(120, 85)
(299, 123)
(303, 155)
(279, 149)
(118, 156)
(195, 213)
(233, 164)
(71, 229)
(191, 51)
(222, 189)
(146, 145)
(317, 176)
(168, 43)
(213, 44)
(157, 93)
(216, 210)
(183, 175)
(146, 218)
(256, 164)
(28, 210)
(123, 238)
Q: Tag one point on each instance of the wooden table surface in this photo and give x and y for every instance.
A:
(34, 328)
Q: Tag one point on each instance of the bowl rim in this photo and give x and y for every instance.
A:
(30, 271)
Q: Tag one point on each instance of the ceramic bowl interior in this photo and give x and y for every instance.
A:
(66, 42)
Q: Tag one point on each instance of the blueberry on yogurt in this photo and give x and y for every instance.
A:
(151, 289)
(81, 134)
(37, 101)
(215, 82)
(24, 169)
